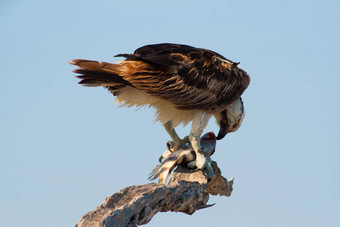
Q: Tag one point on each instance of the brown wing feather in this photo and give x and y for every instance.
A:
(188, 77)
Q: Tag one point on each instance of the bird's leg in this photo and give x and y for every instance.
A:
(199, 122)
(196, 145)
(201, 161)
(176, 142)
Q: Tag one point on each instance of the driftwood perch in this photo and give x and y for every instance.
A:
(186, 192)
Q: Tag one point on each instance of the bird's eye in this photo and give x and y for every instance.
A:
(224, 121)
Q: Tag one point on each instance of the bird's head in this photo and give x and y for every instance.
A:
(230, 119)
(209, 136)
(208, 143)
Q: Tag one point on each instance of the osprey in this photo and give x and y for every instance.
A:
(183, 83)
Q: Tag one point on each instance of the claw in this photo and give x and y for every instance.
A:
(165, 155)
(177, 144)
(173, 146)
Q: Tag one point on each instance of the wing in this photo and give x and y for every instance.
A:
(188, 77)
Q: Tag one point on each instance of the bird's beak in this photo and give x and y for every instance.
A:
(223, 132)
(223, 123)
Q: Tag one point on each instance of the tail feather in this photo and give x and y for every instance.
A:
(94, 73)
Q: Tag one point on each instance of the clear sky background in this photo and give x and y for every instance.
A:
(65, 148)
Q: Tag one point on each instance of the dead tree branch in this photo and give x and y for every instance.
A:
(186, 192)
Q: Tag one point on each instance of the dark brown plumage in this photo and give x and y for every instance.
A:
(188, 77)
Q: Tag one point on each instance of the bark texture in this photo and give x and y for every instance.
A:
(186, 192)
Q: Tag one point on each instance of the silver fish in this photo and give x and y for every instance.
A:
(184, 156)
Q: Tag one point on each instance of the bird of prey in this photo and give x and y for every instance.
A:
(183, 83)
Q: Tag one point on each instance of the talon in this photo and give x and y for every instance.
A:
(165, 155)
(170, 145)
(177, 144)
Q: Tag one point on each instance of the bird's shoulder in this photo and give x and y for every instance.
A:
(169, 54)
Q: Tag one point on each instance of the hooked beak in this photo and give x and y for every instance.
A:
(224, 126)
(223, 132)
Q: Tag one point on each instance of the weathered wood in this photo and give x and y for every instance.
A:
(218, 185)
(186, 192)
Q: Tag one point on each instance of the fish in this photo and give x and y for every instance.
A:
(184, 156)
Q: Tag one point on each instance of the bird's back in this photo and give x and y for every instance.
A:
(187, 77)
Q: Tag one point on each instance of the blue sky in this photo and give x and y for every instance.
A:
(64, 148)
